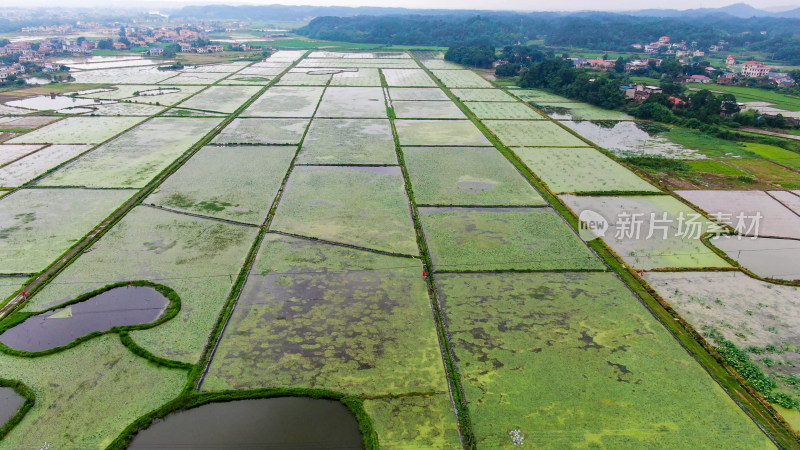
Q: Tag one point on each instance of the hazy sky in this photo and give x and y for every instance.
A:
(519, 5)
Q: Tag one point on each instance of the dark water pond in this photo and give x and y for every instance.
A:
(10, 403)
(274, 423)
(127, 305)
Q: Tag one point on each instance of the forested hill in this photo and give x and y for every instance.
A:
(595, 30)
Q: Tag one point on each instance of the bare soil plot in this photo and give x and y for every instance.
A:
(650, 231)
(427, 110)
(440, 132)
(417, 94)
(580, 170)
(27, 122)
(11, 152)
(532, 133)
(225, 99)
(236, 183)
(758, 317)
(363, 206)
(285, 101)
(408, 77)
(315, 315)
(37, 225)
(769, 258)
(348, 141)
(788, 199)
(777, 220)
(490, 239)
(365, 102)
(461, 79)
(36, 164)
(263, 131)
(508, 330)
(78, 130)
(466, 176)
(134, 158)
(503, 110)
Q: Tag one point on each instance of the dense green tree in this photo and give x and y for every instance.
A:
(507, 70)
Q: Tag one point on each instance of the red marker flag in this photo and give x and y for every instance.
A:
(424, 274)
(24, 294)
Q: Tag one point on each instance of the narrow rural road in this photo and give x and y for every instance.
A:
(770, 133)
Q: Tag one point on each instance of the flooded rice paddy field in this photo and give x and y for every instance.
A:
(10, 402)
(296, 242)
(122, 306)
(287, 422)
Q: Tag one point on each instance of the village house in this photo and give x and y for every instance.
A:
(156, 51)
(754, 69)
(185, 47)
(119, 46)
(639, 92)
(730, 61)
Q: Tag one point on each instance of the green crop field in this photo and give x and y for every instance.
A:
(439, 132)
(745, 94)
(158, 142)
(348, 141)
(517, 338)
(317, 315)
(779, 155)
(73, 391)
(503, 239)
(37, 225)
(579, 111)
(414, 422)
(502, 110)
(198, 258)
(236, 183)
(393, 232)
(482, 177)
(580, 170)
(363, 206)
(532, 133)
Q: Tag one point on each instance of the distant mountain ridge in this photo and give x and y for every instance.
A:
(741, 10)
(287, 12)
